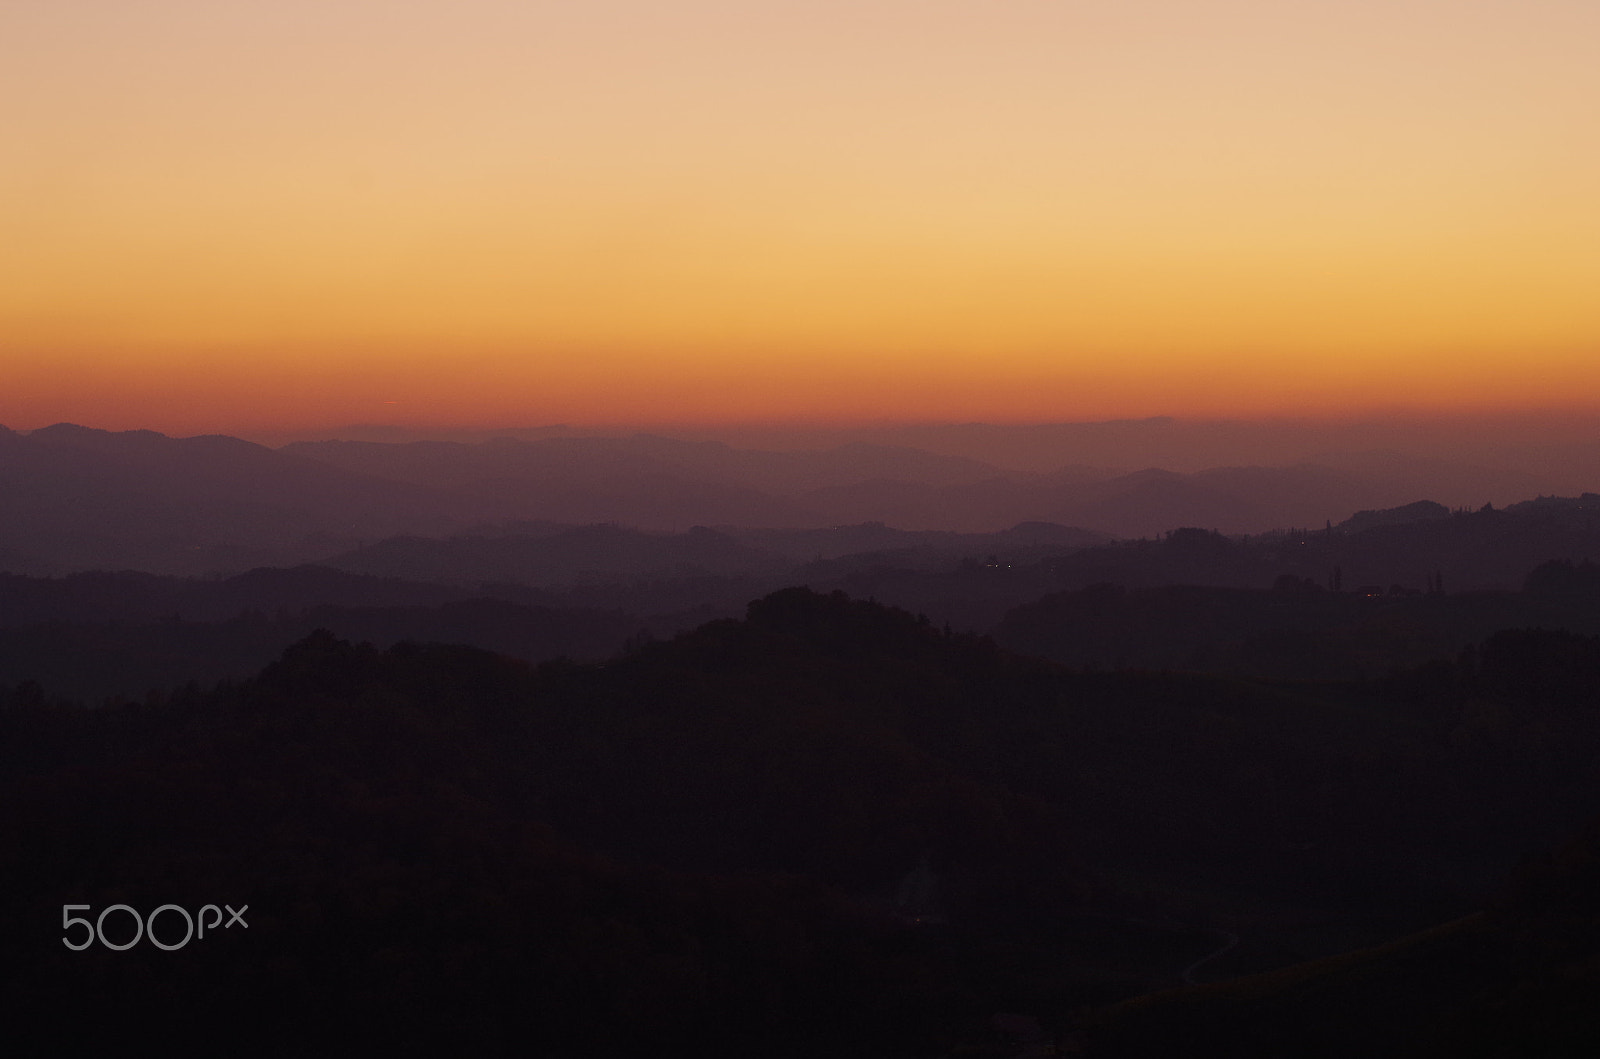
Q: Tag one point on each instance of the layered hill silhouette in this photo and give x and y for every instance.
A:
(1383, 589)
(494, 743)
(1406, 546)
(1358, 585)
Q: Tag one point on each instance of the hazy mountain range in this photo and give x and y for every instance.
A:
(76, 498)
(1562, 450)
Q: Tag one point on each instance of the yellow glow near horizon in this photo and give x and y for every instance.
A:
(301, 213)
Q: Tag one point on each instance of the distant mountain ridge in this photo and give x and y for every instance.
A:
(1560, 450)
(76, 498)
(663, 483)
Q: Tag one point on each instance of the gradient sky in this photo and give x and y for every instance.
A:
(232, 216)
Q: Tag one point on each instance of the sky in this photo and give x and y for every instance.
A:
(250, 215)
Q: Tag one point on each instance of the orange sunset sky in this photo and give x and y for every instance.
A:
(252, 215)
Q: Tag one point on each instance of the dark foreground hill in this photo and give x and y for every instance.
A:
(1518, 979)
(828, 828)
